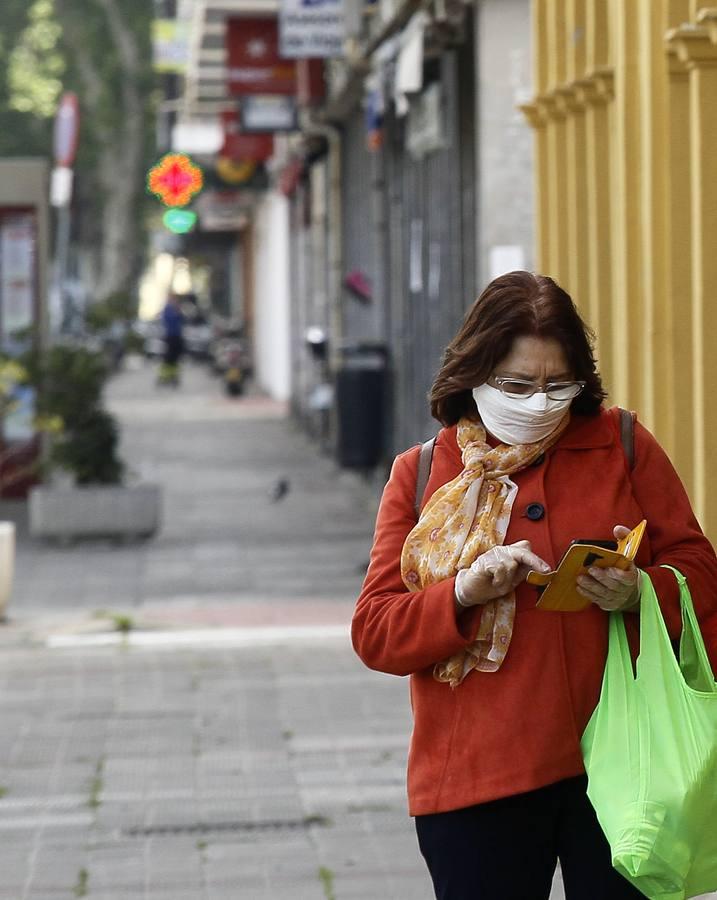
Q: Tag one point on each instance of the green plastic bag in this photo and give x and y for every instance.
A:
(650, 752)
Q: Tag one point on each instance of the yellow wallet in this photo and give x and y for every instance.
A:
(558, 589)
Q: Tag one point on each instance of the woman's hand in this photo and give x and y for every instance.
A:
(495, 573)
(612, 589)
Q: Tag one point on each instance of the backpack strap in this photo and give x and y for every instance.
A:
(425, 457)
(627, 436)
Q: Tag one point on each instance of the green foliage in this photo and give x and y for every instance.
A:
(133, 342)
(123, 623)
(326, 877)
(118, 307)
(21, 134)
(80, 888)
(11, 375)
(97, 784)
(90, 450)
(69, 381)
(49, 46)
(35, 65)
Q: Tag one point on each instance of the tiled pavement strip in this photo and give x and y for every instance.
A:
(268, 767)
(203, 774)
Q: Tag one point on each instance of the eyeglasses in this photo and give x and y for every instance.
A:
(520, 389)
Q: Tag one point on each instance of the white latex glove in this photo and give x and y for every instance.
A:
(496, 573)
(612, 589)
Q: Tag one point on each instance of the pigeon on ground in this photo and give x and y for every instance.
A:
(279, 489)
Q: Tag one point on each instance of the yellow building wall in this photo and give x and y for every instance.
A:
(625, 121)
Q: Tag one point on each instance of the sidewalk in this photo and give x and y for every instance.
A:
(230, 746)
(245, 753)
(225, 545)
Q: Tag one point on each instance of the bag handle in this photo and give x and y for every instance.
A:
(694, 661)
(656, 652)
(425, 457)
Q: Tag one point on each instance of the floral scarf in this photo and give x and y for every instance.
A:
(462, 520)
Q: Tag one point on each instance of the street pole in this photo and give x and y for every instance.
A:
(63, 311)
(65, 140)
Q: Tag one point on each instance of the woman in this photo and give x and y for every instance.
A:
(527, 461)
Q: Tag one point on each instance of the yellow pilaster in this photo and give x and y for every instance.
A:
(655, 329)
(628, 288)
(679, 284)
(678, 12)
(538, 121)
(699, 53)
(597, 95)
(555, 113)
(574, 269)
(626, 168)
(571, 101)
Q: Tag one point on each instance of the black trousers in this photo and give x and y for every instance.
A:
(173, 349)
(508, 849)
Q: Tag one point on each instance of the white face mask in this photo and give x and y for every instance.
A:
(518, 421)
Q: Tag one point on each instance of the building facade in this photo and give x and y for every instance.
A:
(626, 143)
(428, 193)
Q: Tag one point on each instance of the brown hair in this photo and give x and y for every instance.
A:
(513, 305)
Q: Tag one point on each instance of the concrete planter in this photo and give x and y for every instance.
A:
(119, 511)
(7, 564)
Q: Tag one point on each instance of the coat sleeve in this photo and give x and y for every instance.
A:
(395, 630)
(676, 538)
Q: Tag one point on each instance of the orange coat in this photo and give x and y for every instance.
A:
(519, 728)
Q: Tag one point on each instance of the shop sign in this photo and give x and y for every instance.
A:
(238, 145)
(424, 131)
(311, 28)
(179, 221)
(170, 45)
(268, 113)
(254, 63)
(310, 82)
(223, 210)
(175, 179)
(17, 272)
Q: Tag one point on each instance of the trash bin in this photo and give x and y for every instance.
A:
(361, 384)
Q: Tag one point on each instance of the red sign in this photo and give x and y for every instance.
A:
(67, 130)
(254, 64)
(310, 83)
(175, 179)
(240, 146)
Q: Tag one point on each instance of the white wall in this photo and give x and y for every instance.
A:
(505, 140)
(271, 296)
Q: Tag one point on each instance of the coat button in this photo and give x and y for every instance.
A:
(535, 511)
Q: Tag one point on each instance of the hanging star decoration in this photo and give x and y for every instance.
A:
(175, 179)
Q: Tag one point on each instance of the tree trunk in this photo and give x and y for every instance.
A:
(121, 166)
(121, 146)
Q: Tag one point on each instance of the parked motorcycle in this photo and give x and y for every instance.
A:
(234, 375)
(231, 361)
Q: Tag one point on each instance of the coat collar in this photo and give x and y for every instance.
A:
(583, 433)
